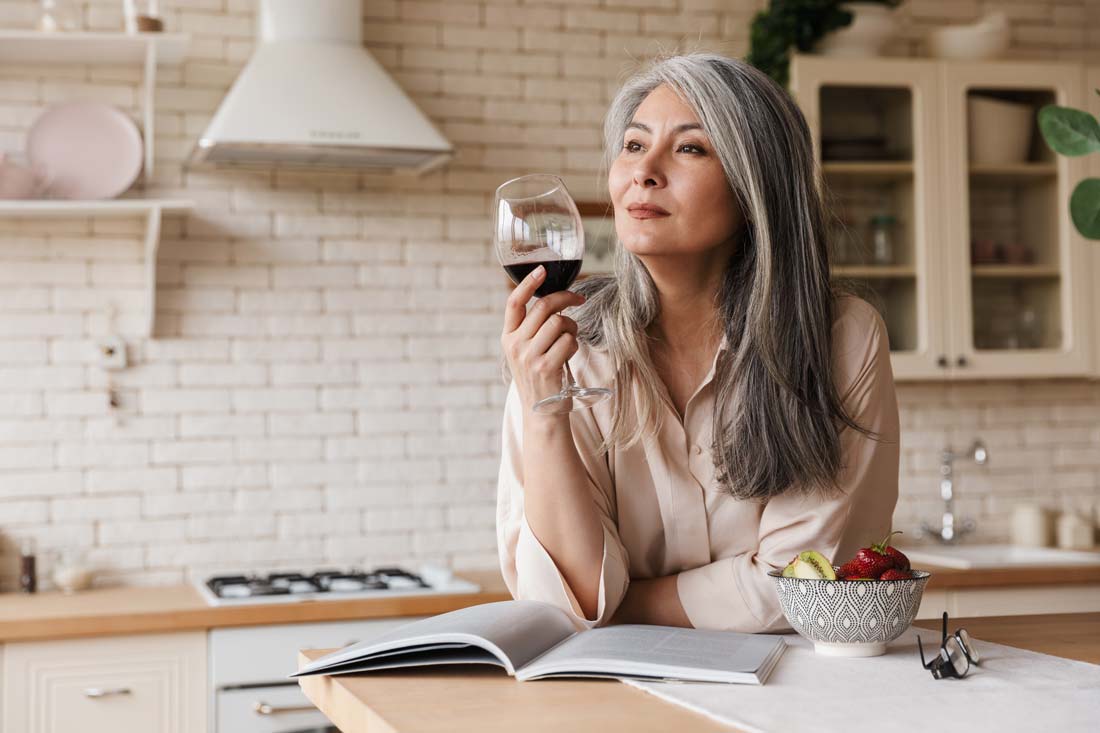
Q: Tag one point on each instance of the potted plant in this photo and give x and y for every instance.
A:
(803, 23)
(1073, 132)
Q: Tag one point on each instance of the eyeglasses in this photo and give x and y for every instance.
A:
(957, 653)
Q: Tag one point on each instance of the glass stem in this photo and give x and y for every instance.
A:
(569, 383)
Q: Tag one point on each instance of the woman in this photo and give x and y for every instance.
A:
(720, 313)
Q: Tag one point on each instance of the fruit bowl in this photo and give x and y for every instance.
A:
(850, 618)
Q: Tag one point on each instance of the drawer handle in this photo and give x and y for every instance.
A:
(105, 691)
(264, 708)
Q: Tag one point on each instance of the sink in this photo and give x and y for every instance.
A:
(997, 556)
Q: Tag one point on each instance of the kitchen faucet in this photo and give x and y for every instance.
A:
(950, 530)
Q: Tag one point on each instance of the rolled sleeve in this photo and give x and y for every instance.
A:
(528, 569)
(736, 593)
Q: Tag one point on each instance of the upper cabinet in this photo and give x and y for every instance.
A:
(951, 212)
(1092, 162)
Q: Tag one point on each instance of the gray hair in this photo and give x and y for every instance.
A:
(777, 414)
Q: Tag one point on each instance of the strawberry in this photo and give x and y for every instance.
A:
(895, 574)
(873, 561)
(901, 562)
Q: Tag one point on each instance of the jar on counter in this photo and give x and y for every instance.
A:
(1074, 532)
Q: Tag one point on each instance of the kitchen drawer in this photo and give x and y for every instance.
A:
(154, 683)
(268, 710)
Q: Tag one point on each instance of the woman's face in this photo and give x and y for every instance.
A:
(667, 162)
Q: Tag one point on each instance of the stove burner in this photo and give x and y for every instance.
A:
(323, 582)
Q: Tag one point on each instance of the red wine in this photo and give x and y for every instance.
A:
(560, 274)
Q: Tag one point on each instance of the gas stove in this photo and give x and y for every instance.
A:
(320, 585)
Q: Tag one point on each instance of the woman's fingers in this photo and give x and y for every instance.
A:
(554, 327)
(516, 309)
(544, 308)
(563, 348)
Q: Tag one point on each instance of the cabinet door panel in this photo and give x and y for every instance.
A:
(874, 131)
(1092, 105)
(154, 684)
(1015, 264)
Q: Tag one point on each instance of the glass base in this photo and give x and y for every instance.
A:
(572, 398)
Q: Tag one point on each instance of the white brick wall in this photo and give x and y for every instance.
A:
(324, 386)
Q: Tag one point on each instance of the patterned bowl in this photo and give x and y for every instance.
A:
(850, 618)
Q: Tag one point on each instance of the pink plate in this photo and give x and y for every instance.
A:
(89, 150)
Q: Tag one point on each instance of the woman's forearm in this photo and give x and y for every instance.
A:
(559, 506)
(652, 601)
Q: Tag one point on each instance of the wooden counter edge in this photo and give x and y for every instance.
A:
(943, 578)
(97, 619)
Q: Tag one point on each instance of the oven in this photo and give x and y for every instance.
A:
(249, 667)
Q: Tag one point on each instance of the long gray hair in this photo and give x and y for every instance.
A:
(777, 415)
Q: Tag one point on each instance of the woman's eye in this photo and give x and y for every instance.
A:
(631, 146)
(692, 148)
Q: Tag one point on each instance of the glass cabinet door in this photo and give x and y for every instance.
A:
(1014, 261)
(874, 130)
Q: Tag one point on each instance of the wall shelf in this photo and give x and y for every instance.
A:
(151, 209)
(36, 47)
(148, 49)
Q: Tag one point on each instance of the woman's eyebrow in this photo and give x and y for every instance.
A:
(678, 128)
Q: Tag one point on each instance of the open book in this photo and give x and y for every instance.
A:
(533, 640)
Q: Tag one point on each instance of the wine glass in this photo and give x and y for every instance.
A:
(537, 223)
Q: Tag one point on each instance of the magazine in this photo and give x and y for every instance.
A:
(534, 640)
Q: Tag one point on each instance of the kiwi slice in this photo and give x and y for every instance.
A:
(809, 564)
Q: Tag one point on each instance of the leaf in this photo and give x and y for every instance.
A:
(1069, 131)
(1084, 207)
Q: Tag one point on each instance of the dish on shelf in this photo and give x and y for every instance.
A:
(90, 150)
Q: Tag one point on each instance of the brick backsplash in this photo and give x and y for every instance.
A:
(324, 386)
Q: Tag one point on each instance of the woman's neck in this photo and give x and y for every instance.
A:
(687, 287)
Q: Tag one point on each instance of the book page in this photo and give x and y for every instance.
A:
(661, 651)
(515, 632)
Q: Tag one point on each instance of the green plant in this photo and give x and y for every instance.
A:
(798, 23)
(1073, 132)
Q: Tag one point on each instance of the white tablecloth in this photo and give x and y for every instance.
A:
(1012, 690)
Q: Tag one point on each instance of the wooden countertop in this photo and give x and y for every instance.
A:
(104, 611)
(135, 610)
(489, 700)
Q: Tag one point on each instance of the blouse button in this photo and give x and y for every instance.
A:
(698, 450)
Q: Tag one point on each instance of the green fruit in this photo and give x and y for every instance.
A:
(810, 565)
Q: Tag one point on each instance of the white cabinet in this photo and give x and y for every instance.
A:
(984, 275)
(155, 683)
(1010, 601)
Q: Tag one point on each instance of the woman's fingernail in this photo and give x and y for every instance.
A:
(538, 272)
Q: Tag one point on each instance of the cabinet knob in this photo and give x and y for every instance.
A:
(105, 691)
(961, 361)
(941, 361)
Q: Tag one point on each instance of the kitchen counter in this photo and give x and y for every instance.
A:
(490, 700)
(134, 610)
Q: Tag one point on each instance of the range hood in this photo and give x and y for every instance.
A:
(312, 96)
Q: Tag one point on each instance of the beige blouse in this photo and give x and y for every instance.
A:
(662, 513)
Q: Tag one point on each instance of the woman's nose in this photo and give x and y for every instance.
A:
(647, 172)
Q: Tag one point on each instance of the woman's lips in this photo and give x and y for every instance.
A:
(646, 213)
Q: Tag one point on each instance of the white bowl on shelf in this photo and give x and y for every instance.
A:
(986, 39)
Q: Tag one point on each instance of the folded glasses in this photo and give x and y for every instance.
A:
(957, 653)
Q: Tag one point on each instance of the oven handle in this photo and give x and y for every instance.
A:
(263, 708)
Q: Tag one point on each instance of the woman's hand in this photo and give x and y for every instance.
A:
(538, 342)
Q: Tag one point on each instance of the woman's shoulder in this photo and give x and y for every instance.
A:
(860, 340)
